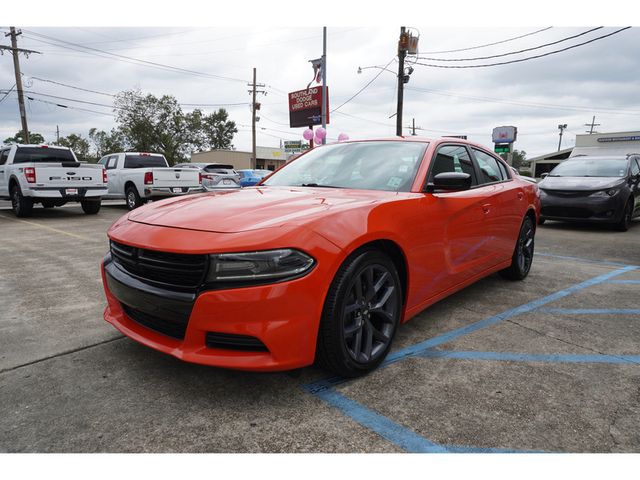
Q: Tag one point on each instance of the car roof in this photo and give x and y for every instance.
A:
(417, 139)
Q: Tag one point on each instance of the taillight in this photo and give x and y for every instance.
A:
(105, 179)
(199, 177)
(148, 178)
(30, 174)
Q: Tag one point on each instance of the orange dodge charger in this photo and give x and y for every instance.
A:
(323, 259)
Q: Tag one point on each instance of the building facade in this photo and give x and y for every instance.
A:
(268, 158)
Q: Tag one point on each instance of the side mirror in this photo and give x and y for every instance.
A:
(449, 182)
(544, 175)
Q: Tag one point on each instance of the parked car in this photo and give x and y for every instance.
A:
(138, 177)
(320, 261)
(52, 176)
(603, 189)
(215, 175)
(250, 177)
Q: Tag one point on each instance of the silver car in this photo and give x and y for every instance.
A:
(215, 176)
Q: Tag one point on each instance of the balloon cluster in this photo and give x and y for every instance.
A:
(320, 134)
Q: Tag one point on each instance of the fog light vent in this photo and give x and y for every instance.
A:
(229, 341)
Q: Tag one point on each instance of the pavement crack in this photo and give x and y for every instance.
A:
(61, 354)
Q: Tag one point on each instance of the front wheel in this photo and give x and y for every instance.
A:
(361, 315)
(90, 207)
(21, 205)
(522, 257)
(625, 222)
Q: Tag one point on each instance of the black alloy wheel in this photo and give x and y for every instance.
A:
(625, 222)
(522, 257)
(361, 314)
(22, 206)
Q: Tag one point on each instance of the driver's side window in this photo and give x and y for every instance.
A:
(452, 158)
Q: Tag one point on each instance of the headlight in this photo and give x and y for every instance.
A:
(605, 193)
(258, 267)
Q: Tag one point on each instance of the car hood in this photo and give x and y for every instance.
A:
(580, 183)
(247, 209)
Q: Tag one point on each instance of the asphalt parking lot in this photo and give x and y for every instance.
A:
(551, 364)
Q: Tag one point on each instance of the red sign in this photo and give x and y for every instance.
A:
(305, 107)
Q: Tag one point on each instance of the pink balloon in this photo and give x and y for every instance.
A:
(308, 134)
(317, 141)
(343, 137)
(321, 132)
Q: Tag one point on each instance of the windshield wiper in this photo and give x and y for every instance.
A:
(318, 185)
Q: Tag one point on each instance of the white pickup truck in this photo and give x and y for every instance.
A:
(138, 177)
(49, 175)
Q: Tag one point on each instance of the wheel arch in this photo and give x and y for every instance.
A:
(130, 183)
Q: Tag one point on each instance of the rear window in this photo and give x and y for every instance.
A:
(43, 155)
(220, 170)
(144, 161)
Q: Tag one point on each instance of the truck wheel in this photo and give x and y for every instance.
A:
(133, 198)
(22, 206)
(91, 207)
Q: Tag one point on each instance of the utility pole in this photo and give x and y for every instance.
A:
(57, 135)
(402, 53)
(16, 67)
(254, 106)
(561, 128)
(324, 81)
(592, 124)
(413, 128)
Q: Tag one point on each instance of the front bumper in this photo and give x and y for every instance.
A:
(163, 192)
(283, 317)
(584, 208)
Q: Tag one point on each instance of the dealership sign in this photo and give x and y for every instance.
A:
(631, 138)
(295, 146)
(305, 107)
(505, 134)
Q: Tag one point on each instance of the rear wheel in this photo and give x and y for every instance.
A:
(90, 207)
(625, 222)
(361, 315)
(22, 206)
(522, 257)
(133, 198)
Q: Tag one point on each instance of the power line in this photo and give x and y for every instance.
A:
(511, 53)
(363, 88)
(72, 86)
(489, 44)
(7, 93)
(68, 106)
(524, 59)
(126, 58)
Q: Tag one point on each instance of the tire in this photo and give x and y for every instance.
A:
(541, 220)
(132, 197)
(625, 222)
(361, 315)
(522, 257)
(91, 207)
(48, 204)
(22, 206)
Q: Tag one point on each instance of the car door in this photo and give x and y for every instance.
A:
(504, 203)
(113, 176)
(4, 155)
(460, 219)
(634, 183)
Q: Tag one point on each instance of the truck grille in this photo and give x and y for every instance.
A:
(169, 269)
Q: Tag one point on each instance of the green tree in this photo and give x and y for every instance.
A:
(34, 138)
(152, 124)
(78, 144)
(105, 143)
(519, 156)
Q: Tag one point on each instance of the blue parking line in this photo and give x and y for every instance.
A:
(625, 282)
(525, 357)
(463, 449)
(404, 438)
(585, 260)
(591, 311)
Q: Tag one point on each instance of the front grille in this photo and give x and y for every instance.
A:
(568, 193)
(229, 341)
(566, 212)
(174, 329)
(172, 269)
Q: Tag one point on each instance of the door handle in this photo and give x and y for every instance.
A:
(486, 207)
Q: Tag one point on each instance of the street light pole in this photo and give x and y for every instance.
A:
(561, 128)
(402, 53)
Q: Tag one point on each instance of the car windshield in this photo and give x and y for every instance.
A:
(591, 167)
(376, 165)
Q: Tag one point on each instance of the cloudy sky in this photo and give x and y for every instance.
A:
(600, 78)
